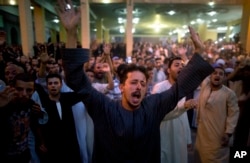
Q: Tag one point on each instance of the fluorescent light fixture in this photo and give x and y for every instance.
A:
(136, 20)
(120, 20)
(12, 2)
(192, 22)
(56, 20)
(95, 29)
(199, 20)
(172, 12)
(122, 30)
(211, 3)
(214, 20)
(106, 1)
(212, 13)
(222, 28)
(133, 30)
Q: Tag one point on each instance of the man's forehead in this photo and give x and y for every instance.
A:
(136, 75)
(20, 83)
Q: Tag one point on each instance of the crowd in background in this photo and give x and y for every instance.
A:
(108, 60)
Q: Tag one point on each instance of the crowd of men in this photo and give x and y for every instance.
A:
(68, 104)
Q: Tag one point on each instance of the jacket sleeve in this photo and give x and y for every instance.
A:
(77, 80)
(188, 80)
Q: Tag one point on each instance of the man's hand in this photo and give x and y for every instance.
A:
(69, 16)
(36, 111)
(105, 67)
(7, 95)
(225, 140)
(199, 46)
(190, 104)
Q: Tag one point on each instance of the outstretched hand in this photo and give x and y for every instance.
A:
(199, 46)
(69, 16)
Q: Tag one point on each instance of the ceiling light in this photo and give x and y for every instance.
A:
(212, 13)
(56, 20)
(95, 29)
(172, 12)
(133, 30)
(231, 27)
(12, 2)
(32, 7)
(211, 3)
(192, 22)
(106, 1)
(120, 20)
(184, 26)
(222, 28)
(199, 20)
(214, 20)
(122, 30)
(136, 20)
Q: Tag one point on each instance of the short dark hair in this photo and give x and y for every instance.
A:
(131, 68)
(172, 59)
(53, 75)
(24, 77)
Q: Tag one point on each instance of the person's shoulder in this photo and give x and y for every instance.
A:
(228, 90)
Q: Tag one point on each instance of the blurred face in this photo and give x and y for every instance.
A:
(24, 90)
(91, 76)
(217, 77)
(10, 73)
(116, 63)
(133, 90)
(175, 69)
(54, 68)
(134, 60)
(28, 67)
(98, 71)
(151, 74)
(158, 64)
(54, 86)
(23, 59)
(34, 64)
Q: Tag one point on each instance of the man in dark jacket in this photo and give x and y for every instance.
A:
(126, 130)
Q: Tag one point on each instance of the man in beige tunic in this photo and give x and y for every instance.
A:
(217, 117)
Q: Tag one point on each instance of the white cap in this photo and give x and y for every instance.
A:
(221, 62)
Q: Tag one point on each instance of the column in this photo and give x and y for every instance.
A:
(53, 34)
(202, 30)
(85, 31)
(39, 22)
(245, 26)
(129, 27)
(27, 35)
(106, 36)
(99, 30)
(62, 33)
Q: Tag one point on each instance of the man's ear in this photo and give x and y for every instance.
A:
(168, 70)
(121, 86)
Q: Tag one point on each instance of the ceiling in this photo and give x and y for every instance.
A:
(155, 16)
(147, 11)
